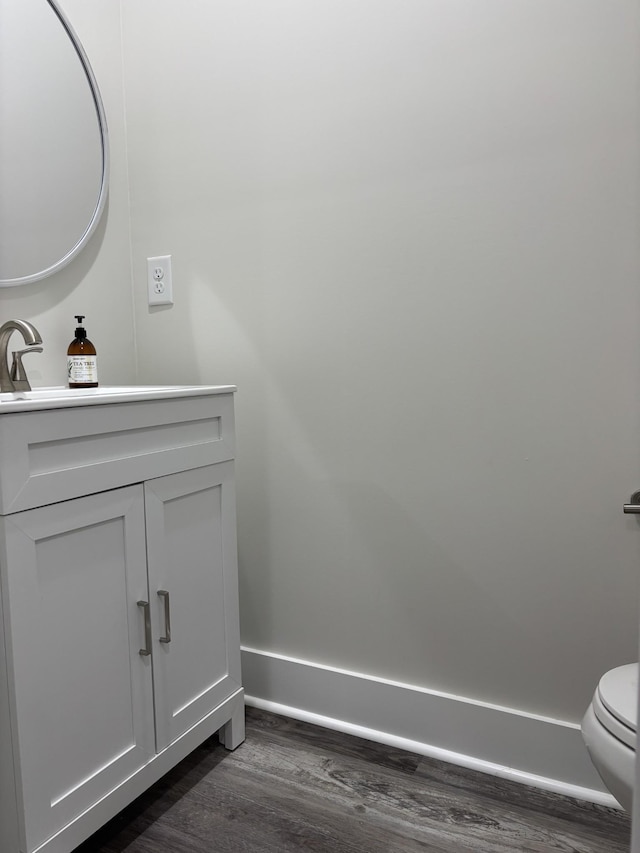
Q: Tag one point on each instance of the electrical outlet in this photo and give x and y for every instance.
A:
(159, 283)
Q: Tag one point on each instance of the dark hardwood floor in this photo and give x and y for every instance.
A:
(294, 787)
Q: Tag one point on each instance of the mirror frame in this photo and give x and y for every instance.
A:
(104, 138)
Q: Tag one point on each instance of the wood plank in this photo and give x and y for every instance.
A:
(293, 786)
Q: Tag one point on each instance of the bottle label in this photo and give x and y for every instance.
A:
(82, 368)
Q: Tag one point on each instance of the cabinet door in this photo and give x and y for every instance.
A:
(191, 549)
(82, 702)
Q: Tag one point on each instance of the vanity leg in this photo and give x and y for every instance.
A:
(232, 733)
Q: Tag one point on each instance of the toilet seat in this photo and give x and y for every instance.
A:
(615, 703)
(609, 731)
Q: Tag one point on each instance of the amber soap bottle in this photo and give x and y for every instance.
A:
(82, 360)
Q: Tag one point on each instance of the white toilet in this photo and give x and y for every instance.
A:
(609, 730)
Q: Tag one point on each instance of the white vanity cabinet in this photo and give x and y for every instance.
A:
(119, 650)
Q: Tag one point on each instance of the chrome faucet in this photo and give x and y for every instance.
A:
(15, 379)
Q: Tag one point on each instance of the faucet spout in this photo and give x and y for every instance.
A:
(31, 337)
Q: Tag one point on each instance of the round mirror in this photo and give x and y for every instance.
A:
(53, 143)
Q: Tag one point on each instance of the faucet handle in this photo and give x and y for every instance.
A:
(18, 374)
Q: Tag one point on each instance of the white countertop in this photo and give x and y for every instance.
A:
(62, 397)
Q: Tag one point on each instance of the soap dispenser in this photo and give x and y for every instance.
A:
(82, 360)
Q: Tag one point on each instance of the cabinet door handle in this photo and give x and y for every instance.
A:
(167, 616)
(147, 627)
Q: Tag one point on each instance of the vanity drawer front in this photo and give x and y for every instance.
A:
(58, 454)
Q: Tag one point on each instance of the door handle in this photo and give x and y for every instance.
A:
(167, 616)
(147, 628)
(634, 504)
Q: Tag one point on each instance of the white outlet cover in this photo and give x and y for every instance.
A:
(159, 280)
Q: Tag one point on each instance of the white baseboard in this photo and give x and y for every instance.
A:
(535, 750)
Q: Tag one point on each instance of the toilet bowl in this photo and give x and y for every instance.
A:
(609, 731)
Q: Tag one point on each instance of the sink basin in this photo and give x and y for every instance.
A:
(63, 397)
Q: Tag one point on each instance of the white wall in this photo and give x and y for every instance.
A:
(408, 232)
(98, 282)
